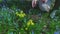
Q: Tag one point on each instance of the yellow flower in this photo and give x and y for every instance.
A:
(21, 14)
(26, 28)
(30, 22)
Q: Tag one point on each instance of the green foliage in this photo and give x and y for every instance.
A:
(15, 21)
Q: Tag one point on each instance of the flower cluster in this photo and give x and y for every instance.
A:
(21, 14)
(30, 22)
